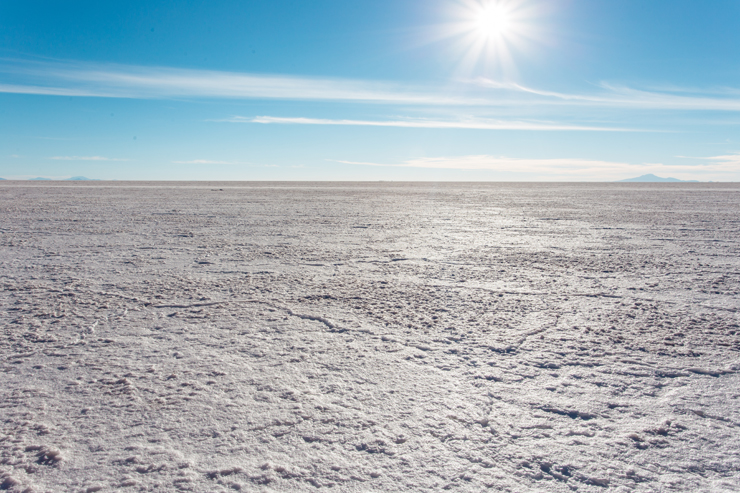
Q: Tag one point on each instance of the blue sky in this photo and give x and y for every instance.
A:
(531, 90)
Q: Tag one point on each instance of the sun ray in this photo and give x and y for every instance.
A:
(487, 33)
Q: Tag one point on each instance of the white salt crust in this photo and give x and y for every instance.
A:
(369, 337)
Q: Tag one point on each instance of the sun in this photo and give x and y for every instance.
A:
(492, 20)
(486, 38)
(488, 35)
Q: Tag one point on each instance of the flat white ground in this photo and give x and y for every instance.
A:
(369, 337)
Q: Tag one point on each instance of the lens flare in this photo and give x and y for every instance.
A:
(487, 34)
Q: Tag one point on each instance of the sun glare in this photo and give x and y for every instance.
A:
(492, 20)
(488, 34)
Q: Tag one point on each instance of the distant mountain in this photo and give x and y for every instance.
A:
(651, 178)
(81, 178)
(39, 178)
(2, 178)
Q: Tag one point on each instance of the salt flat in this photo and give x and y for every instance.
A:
(369, 337)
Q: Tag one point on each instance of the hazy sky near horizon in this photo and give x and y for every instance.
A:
(532, 90)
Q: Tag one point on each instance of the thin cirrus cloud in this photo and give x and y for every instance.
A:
(69, 78)
(613, 95)
(130, 81)
(567, 169)
(205, 161)
(85, 158)
(728, 160)
(473, 124)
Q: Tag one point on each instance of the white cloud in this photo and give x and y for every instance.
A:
(613, 95)
(61, 91)
(475, 124)
(85, 158)
(561, 169)
(130, 81)
(205, 161)
(729, 160)
(65, 78)
(729, 163)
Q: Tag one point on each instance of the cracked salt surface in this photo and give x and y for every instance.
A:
(369, 337)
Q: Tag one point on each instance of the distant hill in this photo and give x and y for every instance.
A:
(39, 178)
(651, 178)
(2, 178)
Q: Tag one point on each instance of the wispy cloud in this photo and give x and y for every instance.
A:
(569, 169)
(61, 91)
(205, 161)
(729, 163)
(729, 160)
(85, 158)
(474, 124)
(614, 95)
(65, 78)
(130, 81)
